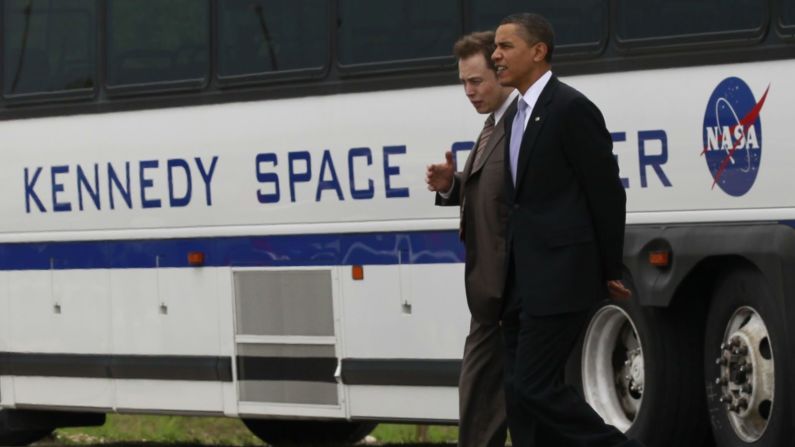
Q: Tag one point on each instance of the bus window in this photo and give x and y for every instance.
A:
(787, 13)
(398, 30)
(578, 24)
(155, 41)
(49, 46)
(710, 19)
(266, 36)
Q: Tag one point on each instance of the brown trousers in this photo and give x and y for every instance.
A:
(481, 394)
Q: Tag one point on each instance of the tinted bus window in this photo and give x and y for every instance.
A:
(271, 35)
(380, 31)
(644, 19)
(788, 12)
(157, 41)
(575, 22)
(49, 45)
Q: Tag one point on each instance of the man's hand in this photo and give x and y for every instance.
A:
(617, 290)
(439, 177)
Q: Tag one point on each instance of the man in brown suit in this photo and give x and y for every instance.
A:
(479, 190)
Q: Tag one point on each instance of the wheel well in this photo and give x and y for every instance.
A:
(699, 283)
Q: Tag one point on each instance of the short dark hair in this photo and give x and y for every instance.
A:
(535, 28)
(478, 42)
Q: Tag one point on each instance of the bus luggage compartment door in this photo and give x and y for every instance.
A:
(286, 343)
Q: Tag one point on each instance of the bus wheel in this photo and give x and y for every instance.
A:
(640, 371)
(745, 370)
(285, 432)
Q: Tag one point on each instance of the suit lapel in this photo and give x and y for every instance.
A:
(467, 171)
(496, 136)
(494, 139)
(534, 125)
(464, 179)
(506, 127)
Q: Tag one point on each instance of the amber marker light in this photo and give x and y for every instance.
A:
(196, 258)
(660, 258)
(357, 272)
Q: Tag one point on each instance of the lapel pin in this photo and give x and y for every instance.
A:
(538, 118)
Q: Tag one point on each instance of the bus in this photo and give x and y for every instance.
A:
(217, 207)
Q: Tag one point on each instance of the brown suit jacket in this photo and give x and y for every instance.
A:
(480, 191)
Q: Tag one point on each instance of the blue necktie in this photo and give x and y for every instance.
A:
(517, 132)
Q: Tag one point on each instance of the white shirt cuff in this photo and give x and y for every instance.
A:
(446, 195)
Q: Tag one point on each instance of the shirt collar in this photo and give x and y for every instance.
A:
(530, 97)
(498, 114)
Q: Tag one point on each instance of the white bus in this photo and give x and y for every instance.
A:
(218, 208)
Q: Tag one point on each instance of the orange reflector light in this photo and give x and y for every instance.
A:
(357, 272)
(660, 258)
(195, 258)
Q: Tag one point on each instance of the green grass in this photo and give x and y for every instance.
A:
(409, 434)
(162, 429)
(219, 431)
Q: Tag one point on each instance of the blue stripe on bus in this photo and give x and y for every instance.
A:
(422, 247)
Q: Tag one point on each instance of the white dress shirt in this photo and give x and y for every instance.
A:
(530, 97)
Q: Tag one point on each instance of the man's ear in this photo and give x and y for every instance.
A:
(541, 51)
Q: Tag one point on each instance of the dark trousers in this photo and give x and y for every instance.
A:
(542, 410)
(480, 388)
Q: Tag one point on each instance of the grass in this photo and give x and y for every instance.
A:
(161, 429)
(119, 429)
(409, 434)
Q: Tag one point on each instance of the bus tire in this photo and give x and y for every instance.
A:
(653, 389)
(286, 432)
(745, 327)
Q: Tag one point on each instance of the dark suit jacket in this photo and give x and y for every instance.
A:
(567, 211)
(480, 191)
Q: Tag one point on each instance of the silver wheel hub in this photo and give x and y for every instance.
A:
(747, 374)
(635, 372)
(612, 367)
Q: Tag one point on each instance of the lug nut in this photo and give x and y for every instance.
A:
(747, 388)
(742, 403)
(721, 381)
(742, 350)
(720, 361)
(725, 399)
(745, 368)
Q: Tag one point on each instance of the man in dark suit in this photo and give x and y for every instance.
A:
(479, 190)
(564, 238)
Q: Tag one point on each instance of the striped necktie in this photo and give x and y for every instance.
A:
(488, 128)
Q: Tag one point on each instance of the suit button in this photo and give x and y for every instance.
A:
(515, 206)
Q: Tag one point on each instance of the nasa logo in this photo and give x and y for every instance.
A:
(733, 136)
